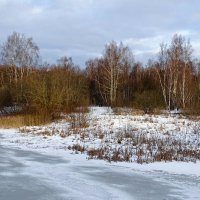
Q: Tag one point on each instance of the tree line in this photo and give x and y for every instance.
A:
(114, 79)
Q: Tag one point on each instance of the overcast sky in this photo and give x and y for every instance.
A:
(81, 28)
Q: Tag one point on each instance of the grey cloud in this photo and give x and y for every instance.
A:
(81, 28)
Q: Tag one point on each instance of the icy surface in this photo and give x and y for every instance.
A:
(58, 174)
(31, 175)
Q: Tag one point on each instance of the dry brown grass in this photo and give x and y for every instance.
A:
(36, 120)
(11, 121)
(128, 111)
(16, 121)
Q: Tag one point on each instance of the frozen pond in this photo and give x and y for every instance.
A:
(48, 175)
(30, 175)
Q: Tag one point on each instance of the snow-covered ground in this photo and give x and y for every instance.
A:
(103, 134)
(40, 157)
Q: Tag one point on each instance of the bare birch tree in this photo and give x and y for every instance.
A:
(20, 53)
(174, 71)
(116, 60)
(162, 72)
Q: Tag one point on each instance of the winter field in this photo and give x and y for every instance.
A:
(103, 154)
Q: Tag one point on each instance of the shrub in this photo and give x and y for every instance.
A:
(148, 101)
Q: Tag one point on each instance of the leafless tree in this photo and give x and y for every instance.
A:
(174, 71)
(115, 62)
(20, 53)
